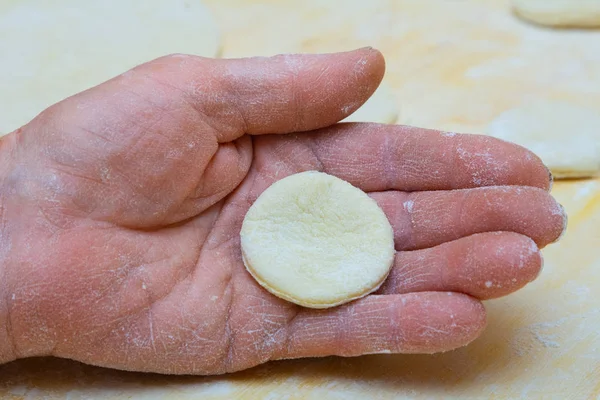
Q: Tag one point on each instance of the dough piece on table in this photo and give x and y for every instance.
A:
(317, 241)
(52, 49)
(565, 136)
(560, 13)
(381, 107)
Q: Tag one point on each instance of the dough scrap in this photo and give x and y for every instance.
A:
(52, 49)
(565, 136)
(317, 241)
(381, 108)
(560, 13)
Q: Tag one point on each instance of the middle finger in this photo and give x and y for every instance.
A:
(426, 219)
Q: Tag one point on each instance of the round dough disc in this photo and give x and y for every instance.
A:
(52, 49)
(563, 135)
(561, 13)
(317, 241)
(381, 107)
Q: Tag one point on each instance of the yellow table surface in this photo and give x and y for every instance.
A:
(454, 65)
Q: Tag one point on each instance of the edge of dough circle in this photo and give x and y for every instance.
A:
(317, 241)
(559, 13)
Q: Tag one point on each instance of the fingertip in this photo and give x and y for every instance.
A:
(492, 161)
(478, 316)
(447, 320)
(376, 60)
(531, 170)
(531, 260)
(469, 321)
(518, 262)
(558, 221)
(541, 268)
(368, 70)
(562, 213)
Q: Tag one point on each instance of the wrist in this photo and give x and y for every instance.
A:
(7, 348)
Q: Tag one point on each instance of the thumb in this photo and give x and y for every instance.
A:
(292, 93)
(151, 136)
(280, 94)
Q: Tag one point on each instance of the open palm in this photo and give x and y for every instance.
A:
(124, 205)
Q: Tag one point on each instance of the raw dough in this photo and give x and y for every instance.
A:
(565, 136)
(563, 13)
(317, 241)
(52, 49)
(381, 108)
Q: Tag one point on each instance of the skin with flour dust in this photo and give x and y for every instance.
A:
(123, 207)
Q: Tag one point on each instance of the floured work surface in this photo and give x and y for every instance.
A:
(54, 49)
(455, 66)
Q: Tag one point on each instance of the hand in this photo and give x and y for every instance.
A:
(122, 208)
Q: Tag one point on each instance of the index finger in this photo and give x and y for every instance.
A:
(377, 157)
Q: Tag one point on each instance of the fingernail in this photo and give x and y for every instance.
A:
(565, 223)
(541, 266)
